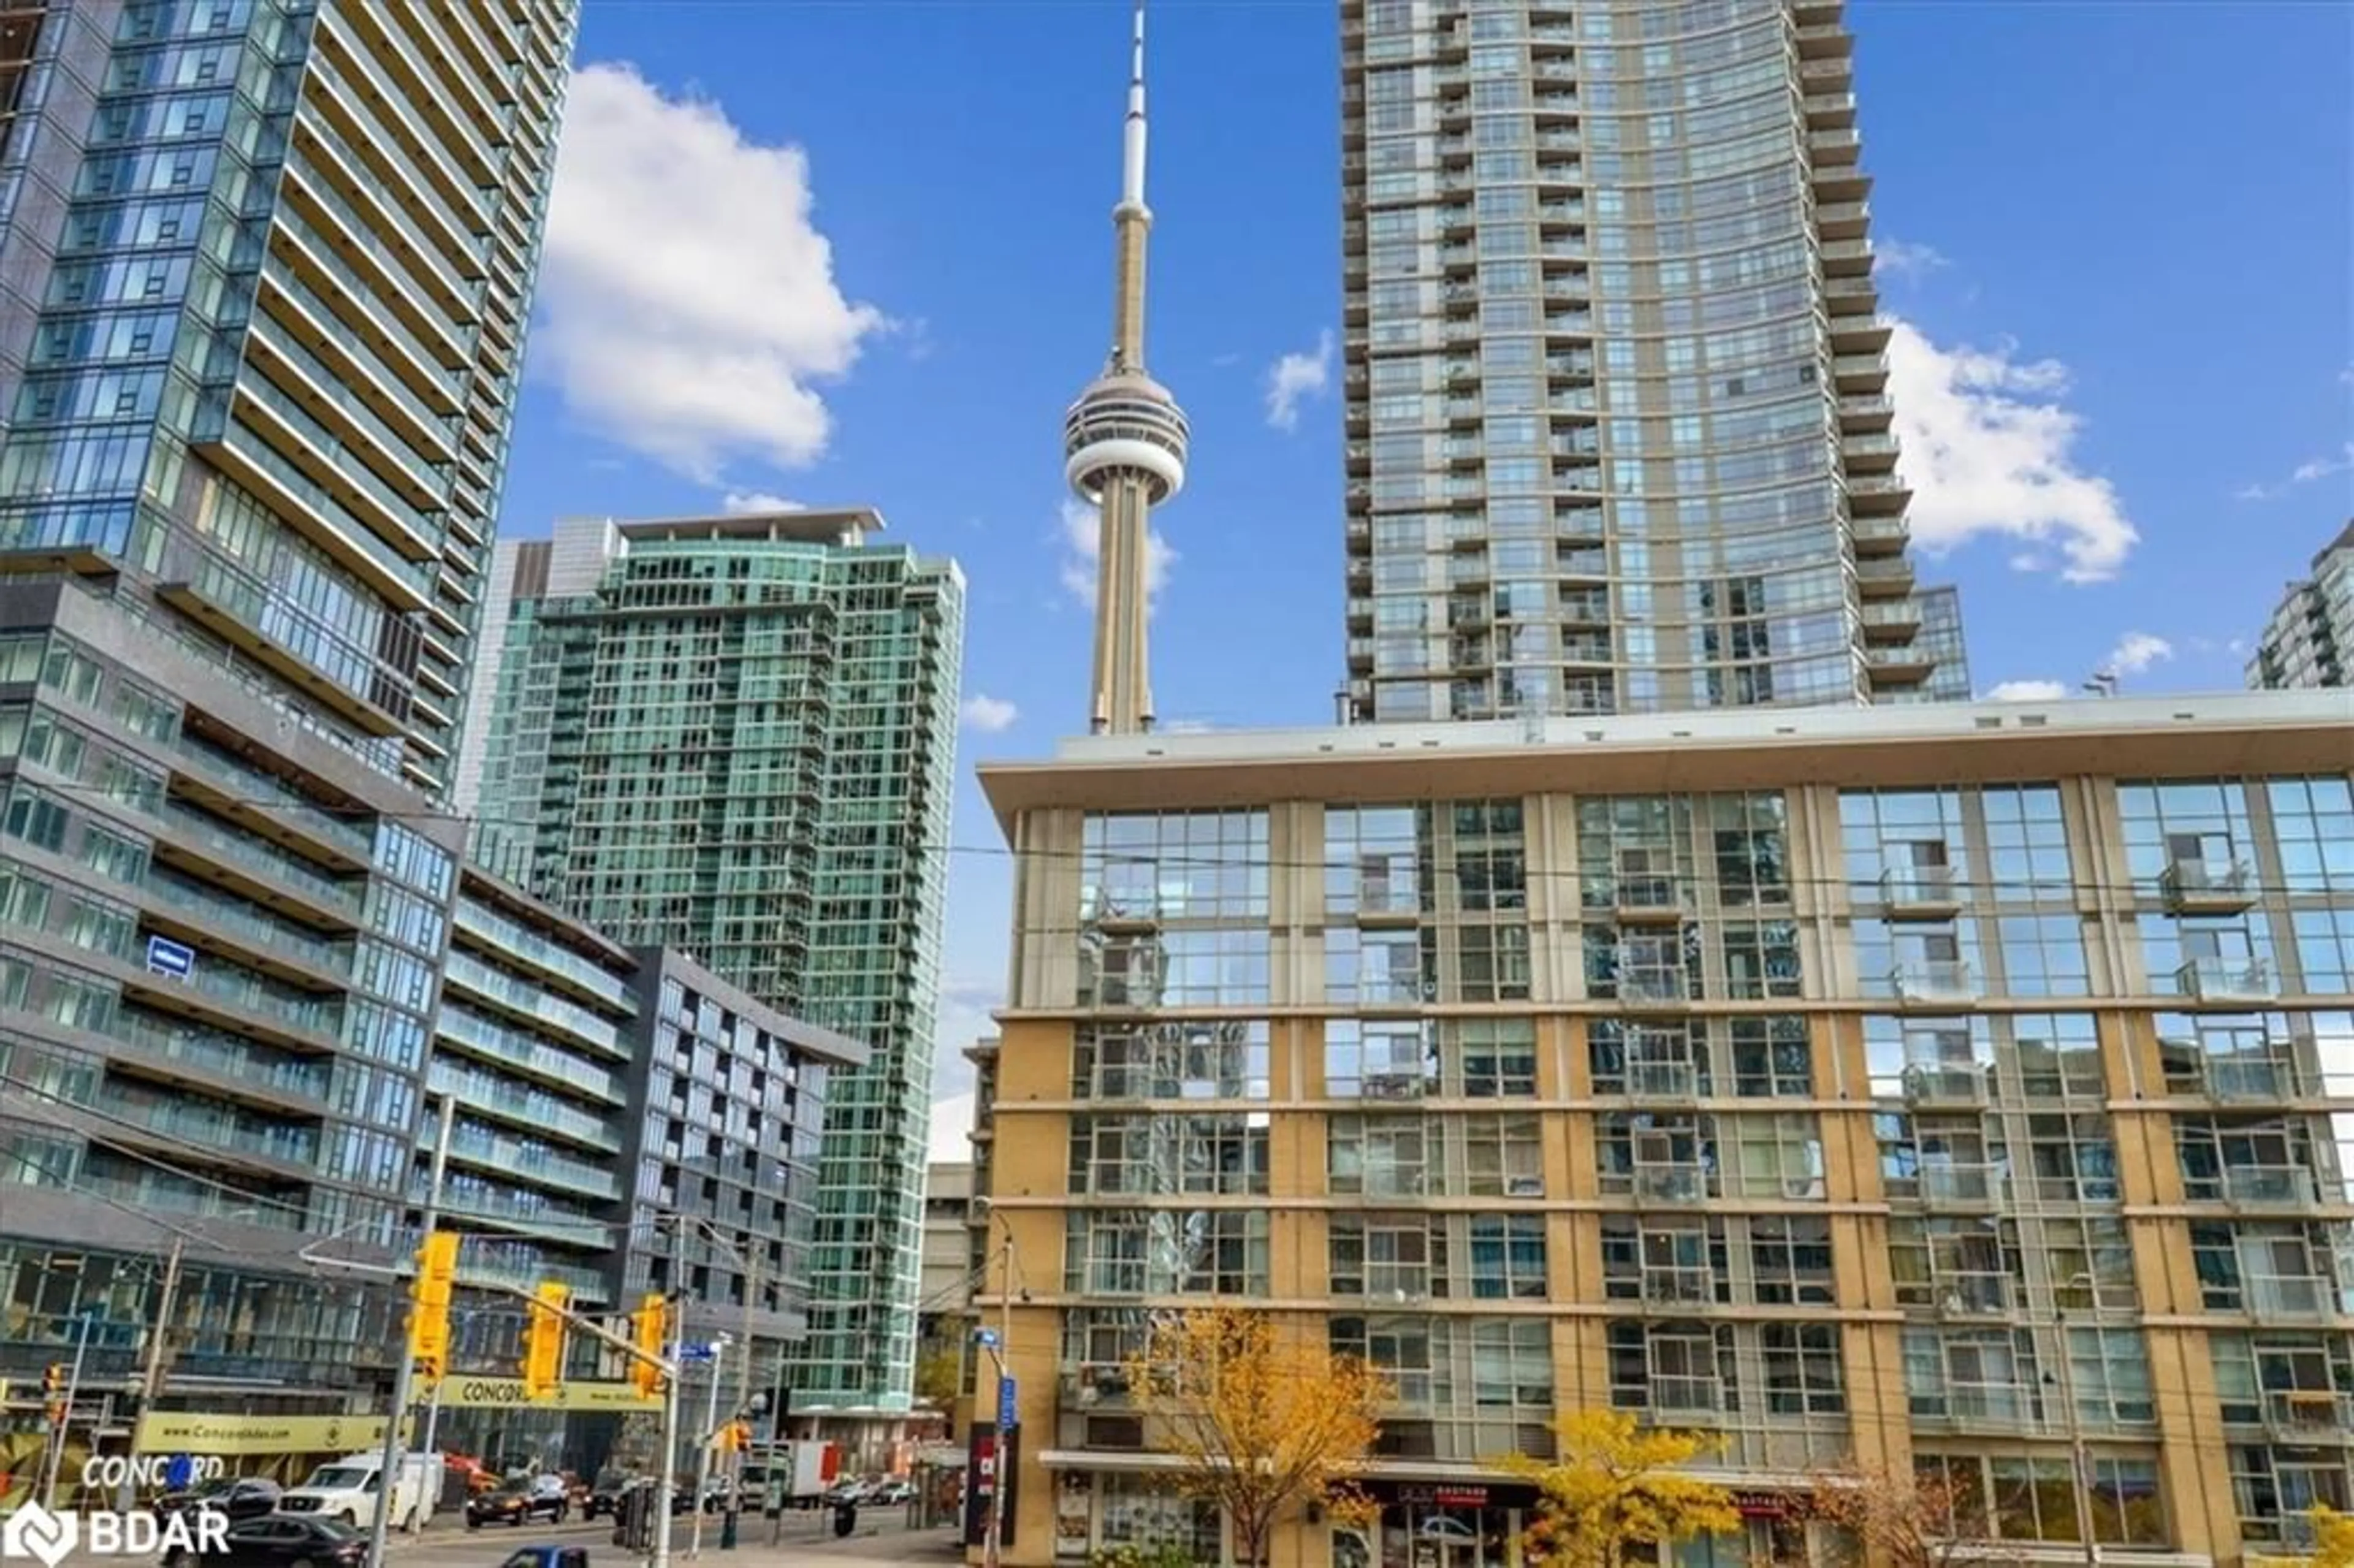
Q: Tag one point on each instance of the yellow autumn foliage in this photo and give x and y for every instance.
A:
(1613, 1483)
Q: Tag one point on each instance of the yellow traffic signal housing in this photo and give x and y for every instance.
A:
(543, 1345)
(650, 1332)
(54, 1380)
(428, 1304)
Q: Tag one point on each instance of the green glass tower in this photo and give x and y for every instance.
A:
(736, 736)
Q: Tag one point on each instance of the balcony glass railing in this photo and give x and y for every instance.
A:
(1973, 1293)
(1695, 1283)
(2292, 1296)
(167, 1197)
(2221, 880)
(297, 1011)
(522, 1208)
(1961, 1183)
(245, 926)
(350, 533)
(471, 973)
(1934, 980)
(335, 388)
(468, 220)
(265, 861)
(531, 1107)
(398, 345)
(2227, 980)
(1913, 884)
(222, 1053)
(535, 949)
(335, 159)
(473, 1033)
(2268, 1184)
(1671, 1183)
(407, 515)
(217, 1129)
(1662, 1080)
(530, 1161)
(284, 804)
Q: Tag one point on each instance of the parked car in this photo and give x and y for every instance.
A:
(547, 1557)
(891, 1494)
(237, 1497)
(681, 1498)
(843, 1494)
(280, 1540)
(515, 1504)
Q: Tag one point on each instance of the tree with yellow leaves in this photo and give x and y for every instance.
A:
(2333, 1537)
(1611, 1485)
(1259, 1424)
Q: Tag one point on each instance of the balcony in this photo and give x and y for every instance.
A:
(2266, 1186)
(1685, 1395)
(256, 870)
(1933, 983)
(2291, 1297)
(1920, 893)
(2221, 886)
(1692, 1285)
(1662, 1081)
(1680, 1183)
(1953, 1085)
(1652, 983)
(1647, 899)
(2237, 980)
(2244, 1079)
(1974, 1185)
(1974, 1293)
(2318, 1415)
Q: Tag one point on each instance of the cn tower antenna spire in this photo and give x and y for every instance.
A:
(1125, 443)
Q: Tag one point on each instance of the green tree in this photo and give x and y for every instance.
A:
(1612, 1485)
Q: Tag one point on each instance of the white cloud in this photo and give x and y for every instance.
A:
(1989, 450)
(736, 502)
(1083, 551)
(2137, 651)
(989, 714)
(952, 1120)
(1295, 378)
(2029, 692)
(2305, 472)
(1902, 259)
(691, 306)
(963, 1020)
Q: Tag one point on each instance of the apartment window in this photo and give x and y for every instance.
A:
(2026, 843)
(2173, 827)
(1803, 1372)
(2109, 1369)
(1164, 1155)
(1374, 968)
(1386, 1157)
(1790, 1260)
(1227, 1061)
(1672, 1368)
(1389, 1059)
(1901, 841)
(2015, 1498)
(1771, 1058)
(2044, 954)
(1373, 859)
(1508, 1257)
(2058, 1054)
(1750, 848)
(1495, 1058)
(1387, 1255)
(2313, 828)
(1174, 865)
(1166, 1252)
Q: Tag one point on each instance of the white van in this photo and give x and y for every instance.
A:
(348, 1490)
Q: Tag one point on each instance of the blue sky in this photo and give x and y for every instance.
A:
(858, 252)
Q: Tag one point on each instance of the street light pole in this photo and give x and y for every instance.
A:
(151, 1372)
(703, 1455)
(990, 1545)
(404, 1374)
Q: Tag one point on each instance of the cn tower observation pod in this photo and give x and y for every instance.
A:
(1125, 424)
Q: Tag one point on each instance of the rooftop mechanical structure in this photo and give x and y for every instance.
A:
(1124, 444)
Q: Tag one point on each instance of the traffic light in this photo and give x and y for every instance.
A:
(650, 1331)
(734, 1437)
(428, 1304)
(57, 1383)
(543, 1343)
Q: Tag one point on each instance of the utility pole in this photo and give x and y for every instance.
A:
(744, 1397)
(2080, 1466)
(669, 1399)
(150, 1375)
(990, 1545)
(53, 1457)
(404, 1374)
(710, 1433)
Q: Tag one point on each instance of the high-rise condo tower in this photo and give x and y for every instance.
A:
(1618, 438)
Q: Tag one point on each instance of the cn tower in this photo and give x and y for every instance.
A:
(1124, 447)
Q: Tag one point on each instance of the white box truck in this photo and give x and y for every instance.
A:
(349, 1490)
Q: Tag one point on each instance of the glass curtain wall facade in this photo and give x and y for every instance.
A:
(1931, 1101)
(736, 736)
(1618, 437)
(266, 265)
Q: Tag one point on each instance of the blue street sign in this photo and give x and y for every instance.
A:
(697, 1353)
(1006, 1410)
(985, 1337)
(166, 956)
